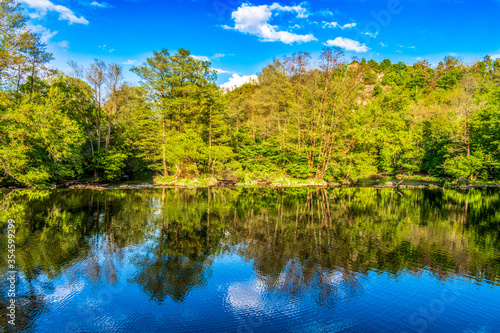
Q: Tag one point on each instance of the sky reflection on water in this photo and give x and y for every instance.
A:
(256, 260)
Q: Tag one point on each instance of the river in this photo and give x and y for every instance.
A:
(353, 259)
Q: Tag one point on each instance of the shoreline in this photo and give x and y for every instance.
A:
(224, 183)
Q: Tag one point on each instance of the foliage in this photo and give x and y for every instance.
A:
(304, 118)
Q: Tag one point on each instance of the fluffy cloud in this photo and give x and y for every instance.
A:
(202, 58)
(372, 35)
(220, 70)
(45, 34)
(325, 12)
(43, 6)
(330, 24)
(219, 55)
(63, 44)
(100, 4)
(236, 81)
(336, 25)
(129, 62)
(301, 11)
(347, 44)
(254, 20)
(207, 58)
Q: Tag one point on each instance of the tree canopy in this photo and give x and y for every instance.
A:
(330, 118)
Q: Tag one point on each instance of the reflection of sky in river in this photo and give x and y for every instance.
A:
(236, 300)
(400, 264)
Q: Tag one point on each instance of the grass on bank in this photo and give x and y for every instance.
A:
(465, 182)
(282, 181)
(426, 178)
(206, 181)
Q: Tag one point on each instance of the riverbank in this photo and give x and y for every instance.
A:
(217, 182)
(419, 182)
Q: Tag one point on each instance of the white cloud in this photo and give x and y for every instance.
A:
(202, 58)
(372, 35)
(111, 50)
(330, 24)
(220, 71)
(495, 56)
(35, 16)
(325, 13)
(43, 6)
(100, 4)
(45, 34)
(236, 81)
(254, 20)
(348, 25)
(383, 45)
(63, 44)
(207, 58)
(336, 25)
(301, 11)
(347, 44)
(219, 55)
(328, 12)
(129, 62)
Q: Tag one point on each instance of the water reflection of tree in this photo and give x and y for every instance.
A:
(56, 231)
(357, 230)
(29, 301)
(328, 286)
(296, 238)
(291, 243)
(178, 257)
(162, 273)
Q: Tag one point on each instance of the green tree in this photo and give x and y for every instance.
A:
(40, 140)
(176, 87)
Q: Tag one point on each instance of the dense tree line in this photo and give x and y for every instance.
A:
(322, 118)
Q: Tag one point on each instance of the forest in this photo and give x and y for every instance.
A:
(326, 118)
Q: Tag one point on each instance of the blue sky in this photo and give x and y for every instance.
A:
(240, 38)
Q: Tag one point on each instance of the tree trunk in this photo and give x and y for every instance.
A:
(279, 130)
(164, 148)
(467, 138)
(89, 135)
(210, 141)
(32, 79)
(98, 120)
(108, 134)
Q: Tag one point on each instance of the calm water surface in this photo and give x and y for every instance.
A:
(254, 260)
